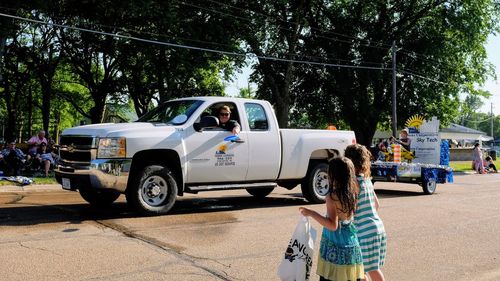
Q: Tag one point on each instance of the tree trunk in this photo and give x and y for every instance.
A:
(30, 111)
(10, 128)
(161, 76)
(97, 112)
(55, 134)
(3, 40)
(46, 97)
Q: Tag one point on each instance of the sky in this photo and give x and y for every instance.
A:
(491, 85)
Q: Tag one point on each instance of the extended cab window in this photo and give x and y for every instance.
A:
(257, 118)
(172, 112)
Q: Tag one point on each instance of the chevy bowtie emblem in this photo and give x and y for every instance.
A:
(71, 147)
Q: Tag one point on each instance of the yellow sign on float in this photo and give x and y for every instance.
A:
(415, 121)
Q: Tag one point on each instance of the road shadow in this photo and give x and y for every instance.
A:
(391, 193)
(18, 214)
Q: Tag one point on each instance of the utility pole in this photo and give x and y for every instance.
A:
(394, 115)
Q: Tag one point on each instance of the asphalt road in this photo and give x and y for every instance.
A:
(50, 234)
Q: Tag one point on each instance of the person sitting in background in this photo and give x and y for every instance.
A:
(35, 141)
(383, 152)
(490, 165)
(389, 142)
(12, 159)
(44, 158)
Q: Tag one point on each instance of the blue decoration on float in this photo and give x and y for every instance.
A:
(384, 170)
(444, 155)
(440, 175)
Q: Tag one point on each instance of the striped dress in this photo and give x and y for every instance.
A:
(371, 232)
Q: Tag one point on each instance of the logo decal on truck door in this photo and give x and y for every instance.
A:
(223, 157)
(221, 150)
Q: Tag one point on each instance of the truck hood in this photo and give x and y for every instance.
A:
(115, 129)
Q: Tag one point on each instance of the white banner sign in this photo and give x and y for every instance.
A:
(427, 147)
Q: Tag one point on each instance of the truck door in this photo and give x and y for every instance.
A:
(264, 144)
(212, 159)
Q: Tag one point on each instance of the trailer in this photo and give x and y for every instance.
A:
(426, 175)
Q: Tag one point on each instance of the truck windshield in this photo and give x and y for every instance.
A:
(172, 112)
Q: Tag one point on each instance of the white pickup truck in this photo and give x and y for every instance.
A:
(178, 148)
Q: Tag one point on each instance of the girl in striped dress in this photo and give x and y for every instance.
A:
(371, 231)
(339, 254)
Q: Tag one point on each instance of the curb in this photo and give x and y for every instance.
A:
(464, 173)
(31, 187)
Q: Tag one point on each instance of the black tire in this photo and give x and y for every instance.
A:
(429, 186)
(260, 192)
(153, 191)
(100, 198)
(315, 185)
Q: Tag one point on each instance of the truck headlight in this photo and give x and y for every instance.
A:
(111, 148)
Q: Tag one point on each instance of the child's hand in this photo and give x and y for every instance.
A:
(305, 211)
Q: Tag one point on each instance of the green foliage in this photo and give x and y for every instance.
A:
(482, 122)
(440, 56)
(246, 93)
(73, 74)
(440, 41)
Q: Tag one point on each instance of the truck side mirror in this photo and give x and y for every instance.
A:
(206, 122)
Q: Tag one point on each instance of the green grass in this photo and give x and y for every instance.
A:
(462, 166)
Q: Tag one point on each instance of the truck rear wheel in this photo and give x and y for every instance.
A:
(153, 191)
(100, 198)
(315, 185)
(260, 192)
(429, 186)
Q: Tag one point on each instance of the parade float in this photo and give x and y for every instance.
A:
(424, 163)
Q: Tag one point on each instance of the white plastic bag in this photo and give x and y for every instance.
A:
(297, 260)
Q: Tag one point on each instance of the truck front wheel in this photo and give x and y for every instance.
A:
(100, 198)
(315, 185)
(153, 192)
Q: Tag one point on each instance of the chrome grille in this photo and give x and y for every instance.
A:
(80, 141)
(77, 149)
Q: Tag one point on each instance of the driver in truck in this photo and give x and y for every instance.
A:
(225, 121)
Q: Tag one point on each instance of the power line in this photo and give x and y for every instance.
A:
(328, 55)
(415, 56)
(182, 46)
(480, 121)
(421, 76)
(175, 45)
(387, 46)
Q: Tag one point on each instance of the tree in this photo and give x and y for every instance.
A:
(273, 29)
(440, 53)
(15, 75)
(469, 107)
(45, 57)
(92, 57)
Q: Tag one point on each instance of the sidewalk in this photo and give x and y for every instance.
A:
(30, 187)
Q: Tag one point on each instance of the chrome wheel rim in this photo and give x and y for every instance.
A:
(431, 185)
(321, 184)
(154, 190)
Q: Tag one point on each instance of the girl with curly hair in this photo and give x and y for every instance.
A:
(371, 231)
